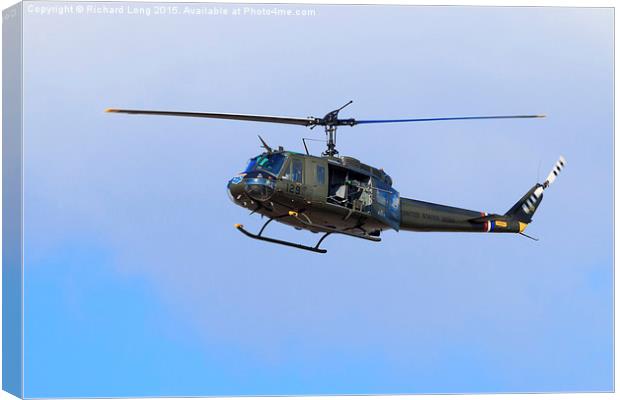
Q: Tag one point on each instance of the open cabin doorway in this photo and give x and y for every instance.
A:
(350, 189)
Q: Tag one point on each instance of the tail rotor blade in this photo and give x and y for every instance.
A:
(557, 168)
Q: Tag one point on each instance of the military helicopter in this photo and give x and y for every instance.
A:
(330, 194)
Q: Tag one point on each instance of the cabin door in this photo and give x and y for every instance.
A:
(295, 180)
(316, 180)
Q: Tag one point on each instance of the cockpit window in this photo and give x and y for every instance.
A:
(267, 162)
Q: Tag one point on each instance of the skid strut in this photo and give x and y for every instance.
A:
(260, 236)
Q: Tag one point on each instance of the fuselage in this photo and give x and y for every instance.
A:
(318, 193)
(324, 194)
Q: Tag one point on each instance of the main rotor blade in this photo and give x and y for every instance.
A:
(386, 121)
(309, 121)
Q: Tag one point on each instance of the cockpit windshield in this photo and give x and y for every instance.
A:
(271, 163)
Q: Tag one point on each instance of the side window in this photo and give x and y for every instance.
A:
(320, 175)
(297, 170)
(287, 172)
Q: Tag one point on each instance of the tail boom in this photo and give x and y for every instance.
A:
(430, 217)
(423, 216)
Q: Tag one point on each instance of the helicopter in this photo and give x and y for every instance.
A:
(333, 194)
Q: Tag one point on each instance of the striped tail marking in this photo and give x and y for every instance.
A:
(532, 202)
(555, 172)
(529, 206)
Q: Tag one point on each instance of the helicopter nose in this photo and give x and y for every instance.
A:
(236, 188)
(256, 188)
(259, 189)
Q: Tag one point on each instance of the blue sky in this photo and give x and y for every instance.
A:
(136, 282)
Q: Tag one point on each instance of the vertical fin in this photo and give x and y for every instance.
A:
(525, 208)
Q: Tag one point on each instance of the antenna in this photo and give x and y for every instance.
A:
(311, 140)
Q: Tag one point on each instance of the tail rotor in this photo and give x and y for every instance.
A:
(557, 168)
(524, 209)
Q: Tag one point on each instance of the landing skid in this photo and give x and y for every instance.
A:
(315, 248)
(260, 236)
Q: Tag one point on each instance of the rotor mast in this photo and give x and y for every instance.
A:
(331, 122)
(330, 132)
